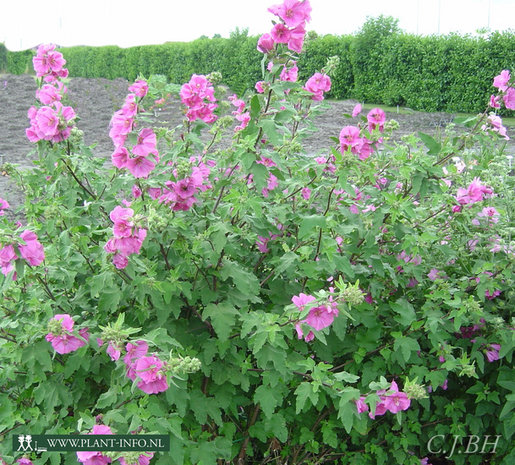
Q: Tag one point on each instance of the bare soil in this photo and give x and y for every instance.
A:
(95, 100)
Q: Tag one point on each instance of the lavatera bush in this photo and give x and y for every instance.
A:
(258, 303)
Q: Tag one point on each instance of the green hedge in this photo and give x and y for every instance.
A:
(3, 58)
(19, 62)
(379, 64)
(434, 73)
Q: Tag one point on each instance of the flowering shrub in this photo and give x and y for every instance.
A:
(253, 300)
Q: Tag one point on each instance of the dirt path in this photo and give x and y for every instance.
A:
(95, 100)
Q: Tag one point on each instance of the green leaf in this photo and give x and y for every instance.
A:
(329, 435)
(264, 395)
(286, 261)
(346, 411)
(255, 107)
(405, 310)
(347, 407)
(467, 121)
(107, 398)
(309, 223)
(303, 392)
(347, 377)
(406, 345)
(277, 425)
(223, 317)
(270, 129)
(245, 281)
(260, 175)
(433, 146)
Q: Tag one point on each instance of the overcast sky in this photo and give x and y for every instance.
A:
(26, 23)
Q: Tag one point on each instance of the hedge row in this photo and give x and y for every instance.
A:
(3, 58)
(236, 58)
(379, 64)
(434, 73)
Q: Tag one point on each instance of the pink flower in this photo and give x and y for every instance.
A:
(198, 96)
(492, 352)
(154, 192)
(119, 214)
(494, 101)
(121, 125)
(130, 107)
(244, 119)
(434, 274)
(65, 320)
(48, 94)
(153, 378)
(380, 408)
(47, 121)
(509, 99)
(184, 188)
(412, 283)
(501, 81)
(265, 161)
(113, 351)
(143, 459)
(120, 157)
(495, 125)
(289, 74)
(32, 251)
(361, 406)
(127, 239)
(350, 139)
(356, 110)
(317, 85)
(396, 402)
(4, 205)
(296, 40)
(300, 334)
(140, 88)
(63, 341)
(146, 143)
(49, 63)
(280, 34)
(265, 43)
(23, 461)
(95, 458)
(7, 258)
(320, 317)
(136, 191)
(272, 182)
(492, 295)
(120, 261)
(133, 353)
(473, 193)
(376, 119)
(259, 87)
(292, 12)
(306, 193)
(140, 166)
(490, 213)
(301, 300)
(262, 244)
